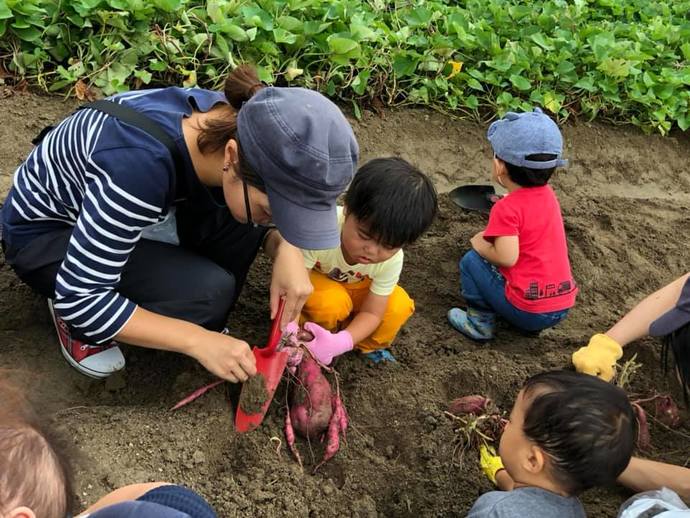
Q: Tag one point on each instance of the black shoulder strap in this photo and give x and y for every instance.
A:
(138, 120)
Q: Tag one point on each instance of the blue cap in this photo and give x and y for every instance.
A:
(519, 135)
(305, 152)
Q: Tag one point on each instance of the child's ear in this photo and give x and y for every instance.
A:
(500, 167)
(21, 512)
(535, 461)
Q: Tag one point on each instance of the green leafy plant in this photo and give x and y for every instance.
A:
(620, 60)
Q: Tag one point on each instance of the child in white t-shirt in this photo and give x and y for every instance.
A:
(357, 302)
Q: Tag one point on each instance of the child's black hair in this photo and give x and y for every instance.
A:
(678, 343)
(394, 199)
(528, 177)
(585, 425)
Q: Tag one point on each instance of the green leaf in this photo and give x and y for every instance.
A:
(359, 83)
(586, 83)
(257, 17)
(404, 65)
(520, 82)
(290, 23)
(144, 75)
(311, 27)
(419, 17)
(473, 83)
(471, 101)
(235, 32)
(541, 40)
(5, 12)
(158, 66)
(283, 36)
(29, 34)
(342, 45)
(615, 67)
(685, 49)
(683, 122)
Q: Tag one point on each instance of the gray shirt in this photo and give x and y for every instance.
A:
(526, 502)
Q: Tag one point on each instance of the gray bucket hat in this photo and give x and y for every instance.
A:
(305, 152)
(519, 135)
(674, 318)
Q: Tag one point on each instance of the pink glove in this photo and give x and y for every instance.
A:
(326, 345)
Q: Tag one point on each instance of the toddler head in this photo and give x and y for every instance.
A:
(35, 479)
(527, 147)
(389, 204)
(568, 432)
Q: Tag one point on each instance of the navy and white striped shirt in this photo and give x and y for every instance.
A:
(108, 180)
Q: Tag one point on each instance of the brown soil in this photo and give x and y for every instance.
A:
(626, 203)
(254, 394)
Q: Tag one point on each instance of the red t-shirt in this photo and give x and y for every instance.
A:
(540, 281)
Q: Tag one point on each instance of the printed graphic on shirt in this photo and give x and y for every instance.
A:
(338, 275)
(537, 292)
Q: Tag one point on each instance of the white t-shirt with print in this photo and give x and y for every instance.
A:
(384, 276)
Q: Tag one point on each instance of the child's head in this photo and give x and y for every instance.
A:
(35, 478)
(569, 430)
(389, 204)
(527, 148)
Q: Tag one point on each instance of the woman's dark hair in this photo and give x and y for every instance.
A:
(585, 426)
(528, 177)
(240, 85)
(36, 471)
(678, 343)
(394, 199)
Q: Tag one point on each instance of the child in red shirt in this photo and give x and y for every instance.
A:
(519, 267)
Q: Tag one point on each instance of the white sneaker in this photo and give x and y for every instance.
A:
(95, 361)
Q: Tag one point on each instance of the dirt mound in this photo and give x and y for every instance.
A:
(625, 199)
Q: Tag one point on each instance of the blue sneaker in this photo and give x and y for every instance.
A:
(381, 355)
(474, 324)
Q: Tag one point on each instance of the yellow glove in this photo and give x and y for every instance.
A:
(599, 357)
(490, 462)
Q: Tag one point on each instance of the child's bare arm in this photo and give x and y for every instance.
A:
(368, 318)
(646, 475)
(504, 250)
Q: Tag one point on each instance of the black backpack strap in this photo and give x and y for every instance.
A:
(141, 121)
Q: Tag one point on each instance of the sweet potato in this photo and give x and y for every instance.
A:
(666, 411)
(311, 409)
(470, 405)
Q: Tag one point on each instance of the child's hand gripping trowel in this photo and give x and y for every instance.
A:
(257, 391)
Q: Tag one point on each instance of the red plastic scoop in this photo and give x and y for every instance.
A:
(257, 391)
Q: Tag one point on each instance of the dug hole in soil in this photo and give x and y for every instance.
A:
(625, 200)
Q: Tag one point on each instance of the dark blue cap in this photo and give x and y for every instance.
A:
(305, 151)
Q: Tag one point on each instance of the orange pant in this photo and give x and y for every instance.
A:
(332, 305)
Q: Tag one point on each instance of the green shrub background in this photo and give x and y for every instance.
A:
(620, 60)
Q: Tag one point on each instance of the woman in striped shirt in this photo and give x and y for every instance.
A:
(148, 240)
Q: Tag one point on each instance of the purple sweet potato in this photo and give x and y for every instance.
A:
(311, 408)
(470, 405)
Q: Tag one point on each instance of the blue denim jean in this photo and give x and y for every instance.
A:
(483, 287)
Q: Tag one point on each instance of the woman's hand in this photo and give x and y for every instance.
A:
(290, 280)
(225, 356)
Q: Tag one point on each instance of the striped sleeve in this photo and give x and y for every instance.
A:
(125, 192)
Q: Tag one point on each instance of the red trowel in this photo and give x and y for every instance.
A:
(270, 365)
